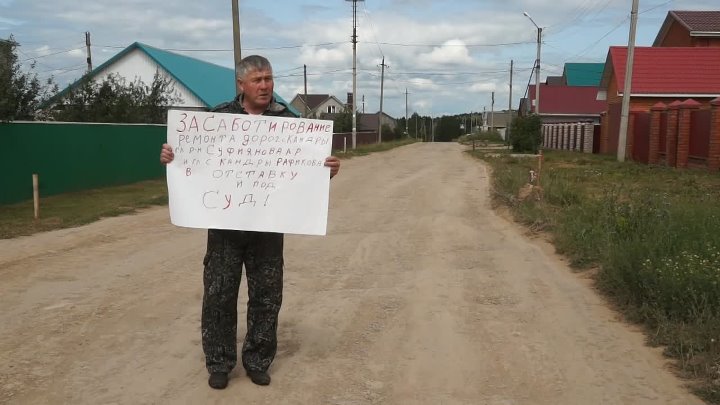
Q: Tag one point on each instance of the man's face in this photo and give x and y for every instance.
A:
(257, 88)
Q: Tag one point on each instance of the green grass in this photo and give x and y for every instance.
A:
(652, 232)
(362, 150)
(79, 208)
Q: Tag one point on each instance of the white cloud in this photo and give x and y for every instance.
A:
(452, 52)
(482, 87)
(449, 55)
(43, 50)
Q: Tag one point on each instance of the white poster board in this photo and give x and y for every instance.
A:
(249, 172)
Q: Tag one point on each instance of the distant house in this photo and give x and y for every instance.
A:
(689, 29)
(317, 104)
(498, 121)
(582, 74)
(555, 81)
(570, 97)
(661, 74)
(200, 85)
(369, 122)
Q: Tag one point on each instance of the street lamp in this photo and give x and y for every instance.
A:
(354, 97)
(537, 64)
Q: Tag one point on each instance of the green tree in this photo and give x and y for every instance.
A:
(115, 100)
(343, 121)
(448, 128)
(21, 93)
(526, 135)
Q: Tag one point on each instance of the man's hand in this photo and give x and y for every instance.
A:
(166, 154)
(334, 164)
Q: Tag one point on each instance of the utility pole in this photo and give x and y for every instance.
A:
(382, 84)
(492, 112)
(407, 133)
(510, 109)
(363, 102)
(354, 102)
(432, 129)
(236, 40)
(307, 112)
(537, 64)
(622, 136)
(537, 74)
(89, 55)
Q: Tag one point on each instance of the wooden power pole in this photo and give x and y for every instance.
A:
(236, 40)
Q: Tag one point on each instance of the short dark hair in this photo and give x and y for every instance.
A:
(250, 63)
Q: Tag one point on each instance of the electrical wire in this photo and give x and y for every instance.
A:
(50, 54)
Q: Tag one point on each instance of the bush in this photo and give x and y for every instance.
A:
(526, 135)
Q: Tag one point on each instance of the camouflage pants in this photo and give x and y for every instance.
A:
(262, 255)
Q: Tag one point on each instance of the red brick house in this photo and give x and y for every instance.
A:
(660, 74)
(689, 29)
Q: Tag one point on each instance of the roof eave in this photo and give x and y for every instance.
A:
(713, 34)
(704, 95)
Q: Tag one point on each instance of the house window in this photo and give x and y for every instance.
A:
(331, 109)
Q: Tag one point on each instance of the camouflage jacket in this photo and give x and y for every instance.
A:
(275, 109)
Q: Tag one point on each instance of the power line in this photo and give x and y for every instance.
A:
(64, 69)
(656, 7)
(50, 54)
(465, 45)
(229, 50)
(372, 30)
(620, 24)
(326, 44)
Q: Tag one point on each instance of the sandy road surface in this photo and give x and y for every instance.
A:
(419, 295)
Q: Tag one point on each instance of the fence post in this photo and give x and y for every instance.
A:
(581, 134)
(630, 141)
(36, 195)
(589, 135)
(714, 151)
(684, 121)
(671, 136)
(604, 132)
(656, 112)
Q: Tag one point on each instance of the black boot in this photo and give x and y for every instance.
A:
(218, 380)
(259, 377)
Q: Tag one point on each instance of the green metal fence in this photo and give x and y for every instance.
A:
(75, 156)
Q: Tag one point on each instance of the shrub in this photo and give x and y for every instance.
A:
(526, 135)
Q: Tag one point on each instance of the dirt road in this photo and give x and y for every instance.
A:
(420, 294)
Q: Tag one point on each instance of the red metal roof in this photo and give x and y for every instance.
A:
(671, 71)
(574, 100)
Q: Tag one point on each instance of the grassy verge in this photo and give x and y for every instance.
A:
(652, 232)
(363, 150)
(79, 208)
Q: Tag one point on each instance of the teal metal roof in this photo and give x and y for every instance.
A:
(210, 83)
(583, 74)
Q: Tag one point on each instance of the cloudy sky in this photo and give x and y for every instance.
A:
(449, 55)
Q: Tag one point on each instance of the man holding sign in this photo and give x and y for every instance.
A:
(228, 250)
